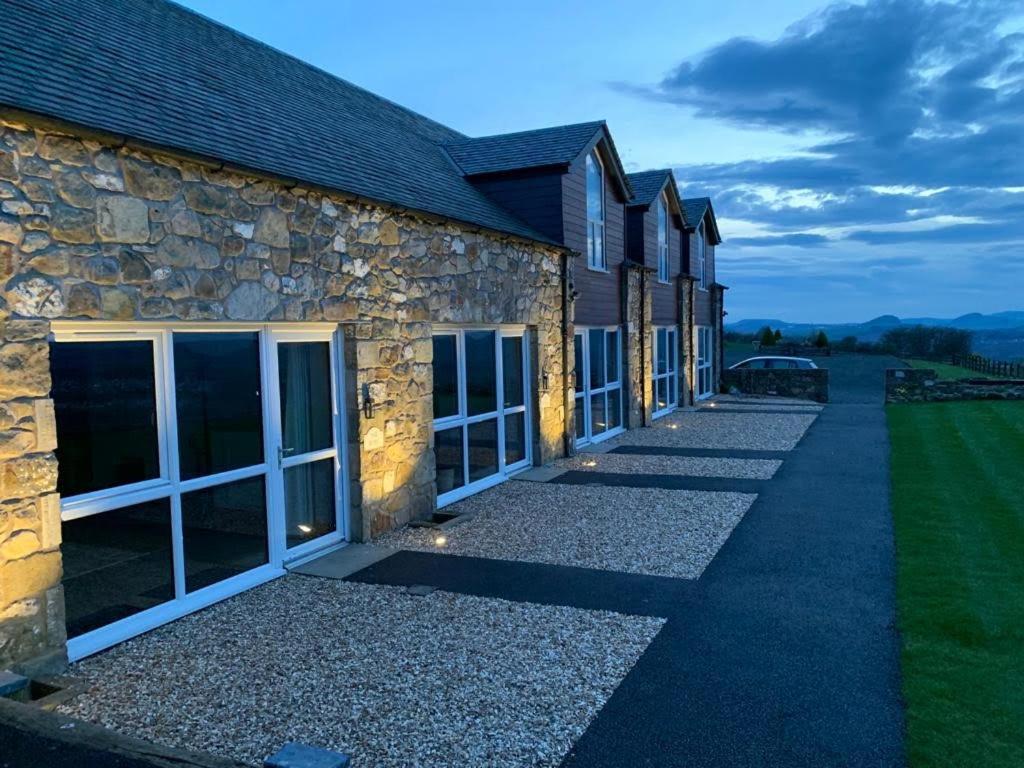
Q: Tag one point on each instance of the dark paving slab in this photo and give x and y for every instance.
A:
(703, 453)
(784, 653)
(668, 482)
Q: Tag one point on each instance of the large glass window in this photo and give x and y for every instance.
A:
(482, 432)
(702, 276)
(596, 257)
(705, 355)
(104, 397)
(666, 373)
(598, 405)
(662, 240)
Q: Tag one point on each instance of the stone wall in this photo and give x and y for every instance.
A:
(93, 229)
(687, 360)
(637, 355)
(804, 384)
(718, 324)
(921, 385)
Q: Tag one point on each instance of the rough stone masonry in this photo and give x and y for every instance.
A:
(95, 229)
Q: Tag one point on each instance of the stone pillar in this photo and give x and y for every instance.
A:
(718, 320)
(32, 634)
(686, 352)
(636, 315)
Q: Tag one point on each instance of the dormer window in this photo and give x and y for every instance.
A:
(662, 240)
(596, 258)
(702, 273)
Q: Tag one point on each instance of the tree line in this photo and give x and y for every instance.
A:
(918, 341)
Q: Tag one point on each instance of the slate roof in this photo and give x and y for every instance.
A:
(694, 208)
(164, 75)
(559, 145)
(646, 185)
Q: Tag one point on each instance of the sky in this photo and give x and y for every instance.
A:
(863, 158)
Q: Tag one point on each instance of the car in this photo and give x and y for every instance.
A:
(775, 362)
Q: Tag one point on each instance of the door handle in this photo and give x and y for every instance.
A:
(281, 453)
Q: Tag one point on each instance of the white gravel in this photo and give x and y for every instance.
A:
(635, 530)
(392, 679)
(639, 464)
(757, 400)
(744, 431)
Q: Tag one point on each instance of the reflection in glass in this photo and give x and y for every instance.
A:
(614, 408)
(309, 501)
(304, 371)
(662, 350)
(448, 459)
(512, 369)
(483, 449)
(612, 355)
(515, 438)
(481, 374)
(662, 394)
(217, 385)
(225, 531)
(580, 419)
(596, 358)
(446, 376)
(580, 374)
(598, 423)
(104, 398)
(116, 564)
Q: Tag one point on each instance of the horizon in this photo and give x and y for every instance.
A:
(845, 185)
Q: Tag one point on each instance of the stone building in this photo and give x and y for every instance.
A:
(251, 312)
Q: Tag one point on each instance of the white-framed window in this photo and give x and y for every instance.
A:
(598, 383)
(705, 360)
(195, 461)
(666, 369)
(702, 273)
(596, 256)
(481, 408)
(662, 214)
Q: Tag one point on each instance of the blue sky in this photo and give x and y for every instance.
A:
(864, 158)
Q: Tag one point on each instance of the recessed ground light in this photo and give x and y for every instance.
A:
(673, 426)
(711, 405)
(440, 540)
(590, 463)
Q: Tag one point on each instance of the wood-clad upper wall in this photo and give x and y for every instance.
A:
(535, 197)
(664, 296)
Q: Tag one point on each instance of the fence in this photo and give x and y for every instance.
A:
(981, 364)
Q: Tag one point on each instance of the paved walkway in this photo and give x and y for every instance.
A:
(784, 652)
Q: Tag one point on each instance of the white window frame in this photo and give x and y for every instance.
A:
(596, 261)
(671, 374)
(588, 436)
(702, 274)
(463, 419)
(169, 484)
(704, 362)
(661, 214)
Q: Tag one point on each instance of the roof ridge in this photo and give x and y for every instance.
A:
(531, 131)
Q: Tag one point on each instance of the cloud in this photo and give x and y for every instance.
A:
(800, 239)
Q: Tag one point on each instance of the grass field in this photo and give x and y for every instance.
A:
(947, 371)
(958, 507)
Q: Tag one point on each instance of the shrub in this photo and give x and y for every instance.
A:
(766, 337)
(821, 340)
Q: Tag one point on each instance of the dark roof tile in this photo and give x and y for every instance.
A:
(559, 145)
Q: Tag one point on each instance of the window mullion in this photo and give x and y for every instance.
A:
(166, 374)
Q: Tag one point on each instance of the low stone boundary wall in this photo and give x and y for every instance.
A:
(805, 384)
(921, 385)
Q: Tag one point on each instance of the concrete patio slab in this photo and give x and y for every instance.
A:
(343, 562)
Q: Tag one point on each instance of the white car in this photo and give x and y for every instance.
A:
(775, 362)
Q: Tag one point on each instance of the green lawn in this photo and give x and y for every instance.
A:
(947, 371)
(958, 508)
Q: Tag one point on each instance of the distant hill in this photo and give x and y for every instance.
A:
(999, 335)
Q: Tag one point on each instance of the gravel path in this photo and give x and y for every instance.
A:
(754, 469)
(744, 431)
(392, 679)
(635, 530)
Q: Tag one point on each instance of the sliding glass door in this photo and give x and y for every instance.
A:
(598, 383)
(192, 464)
(666, 372)
(705, 357)
(481, 416)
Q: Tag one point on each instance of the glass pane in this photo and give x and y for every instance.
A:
(220, 417)
(580, 419)
(599, 259)
(612, 355)
(512, 369)
(515, 438)
(578, 357)
(481, 377)
(662, 355)
(304, 371)
(597, 418)
(595, 186)
(596, 358)
(483, 449)
(614, 408)
(448, 459)
(672, 351)
(662, 395)
(446, 377)
(104, 397)
(309, 501)
(116, 564)
(225, 531)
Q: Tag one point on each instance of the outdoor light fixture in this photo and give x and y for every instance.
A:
(590, 463)
(440, 540)
(673, 426)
